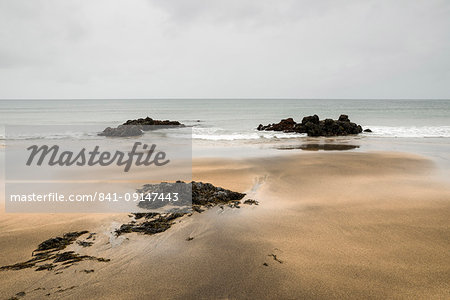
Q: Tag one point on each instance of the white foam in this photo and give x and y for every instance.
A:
(50, 136)
(410, 131)
(219, 134)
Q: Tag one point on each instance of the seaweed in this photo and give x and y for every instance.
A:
(48, 254)
(59, 243)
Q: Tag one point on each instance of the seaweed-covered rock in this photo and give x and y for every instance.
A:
(201, 194)
(197, 193)
(313, 126)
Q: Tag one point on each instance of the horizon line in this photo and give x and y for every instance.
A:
(204, 98)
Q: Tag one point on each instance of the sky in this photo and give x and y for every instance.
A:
(53, 49)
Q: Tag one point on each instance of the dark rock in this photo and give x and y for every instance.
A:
(197, 208)
(344, 118)
(195, 193)
(313, 119)
(312, 126)
(235, 204)
(101, 259)
(251, 202)
(151, 193)
(286, 125)
(47, 267)
(149, 124)
(206, 193)
(367, 130)
(85, 244)
(157, 225)
(138, 126)
(312, 129)
(138, 216)
(300, 128)
(91, 236)
(201, 194)
(122, 131)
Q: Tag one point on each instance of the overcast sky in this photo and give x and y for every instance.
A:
(224, 49)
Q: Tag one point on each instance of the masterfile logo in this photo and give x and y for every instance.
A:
(58, 171)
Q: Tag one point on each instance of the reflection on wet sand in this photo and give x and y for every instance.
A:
(317, 147)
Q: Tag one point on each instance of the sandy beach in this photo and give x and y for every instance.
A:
(249, 149)
(328, 225)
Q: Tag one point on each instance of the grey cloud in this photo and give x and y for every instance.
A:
(260, 12)
(233, 48)
(35, 32)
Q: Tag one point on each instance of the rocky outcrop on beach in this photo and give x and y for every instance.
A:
(313, 126)
(203, 195)
(138, 126)
(206, 194)
(50, 255)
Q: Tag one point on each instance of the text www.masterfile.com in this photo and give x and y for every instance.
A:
(93, 197)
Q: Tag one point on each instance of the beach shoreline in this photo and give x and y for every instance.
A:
(328, 225)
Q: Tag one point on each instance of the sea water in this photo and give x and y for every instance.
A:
(226, 119)
(418, 126)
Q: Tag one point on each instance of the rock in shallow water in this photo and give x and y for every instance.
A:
(122, 131)
(313, 126)
(148, 123)
(138, 126)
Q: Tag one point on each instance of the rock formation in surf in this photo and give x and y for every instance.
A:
(312, 126)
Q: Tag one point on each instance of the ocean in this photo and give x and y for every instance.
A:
(223, 119)
(418, 126)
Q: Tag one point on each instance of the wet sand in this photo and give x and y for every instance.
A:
(328, 225)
